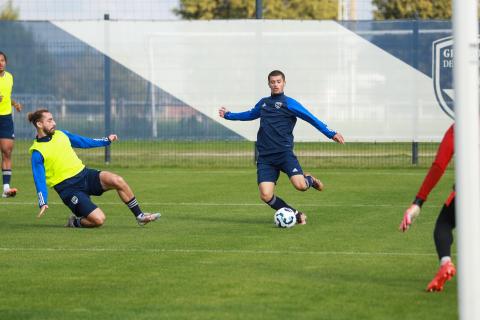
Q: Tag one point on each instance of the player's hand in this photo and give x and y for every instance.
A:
(17, 106)
(409, 216)
(42, 211)
(222, 111)
(113, 137)
(338, 138)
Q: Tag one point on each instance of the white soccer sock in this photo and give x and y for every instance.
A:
(445, 260)
(6, 187)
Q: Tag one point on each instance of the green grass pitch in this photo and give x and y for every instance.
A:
(215, 253)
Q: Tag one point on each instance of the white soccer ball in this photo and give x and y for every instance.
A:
(285, 218)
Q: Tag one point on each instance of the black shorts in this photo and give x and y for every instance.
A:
(75, 192)
(269, 167)
(6, 127)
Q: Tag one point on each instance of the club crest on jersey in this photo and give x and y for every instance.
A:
(278, 104)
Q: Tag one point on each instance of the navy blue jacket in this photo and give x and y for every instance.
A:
(278, 116)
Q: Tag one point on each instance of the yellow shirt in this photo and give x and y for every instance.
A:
(60, 160)
(6, 85)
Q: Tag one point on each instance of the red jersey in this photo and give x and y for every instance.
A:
(442, 159)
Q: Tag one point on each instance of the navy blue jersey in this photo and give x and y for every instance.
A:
(278, 116)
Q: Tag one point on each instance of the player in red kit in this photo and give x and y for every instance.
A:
(446, 219)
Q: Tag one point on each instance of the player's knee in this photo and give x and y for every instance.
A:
(6, 154)
(301, 186)
(98, 219)
(266, 196)
(119, 182)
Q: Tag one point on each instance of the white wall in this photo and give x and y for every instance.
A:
(350, 84)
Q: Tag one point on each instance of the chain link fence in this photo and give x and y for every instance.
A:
(55, 70)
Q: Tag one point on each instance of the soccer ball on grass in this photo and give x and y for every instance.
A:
(285, 218)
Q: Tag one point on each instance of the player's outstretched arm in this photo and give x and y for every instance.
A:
(39, 178)
(222, 111)
(78, 141)
(302, 112)
(443, 157)
(409, 216)
(43, 209)
(338, 138)
(251, 114)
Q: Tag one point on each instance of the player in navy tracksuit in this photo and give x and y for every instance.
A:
(278, 115)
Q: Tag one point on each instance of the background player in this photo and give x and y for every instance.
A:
(55, 164)
(7, 134)
(278, 116)
(446, 219)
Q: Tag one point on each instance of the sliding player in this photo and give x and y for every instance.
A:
(56, 165)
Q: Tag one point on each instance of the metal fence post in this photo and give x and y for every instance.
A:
(414, 152)
(258, 15)
(415, 40)
(415, 44)
(107, 89)
(258, 9)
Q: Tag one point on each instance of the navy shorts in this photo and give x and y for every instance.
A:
(6, 127)
(75, 192)
(269, 167)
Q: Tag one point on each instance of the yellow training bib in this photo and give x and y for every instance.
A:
(6, 85)
(60, 160)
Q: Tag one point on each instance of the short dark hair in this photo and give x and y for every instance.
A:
(275, 73)
(4, 55)
(36, 115)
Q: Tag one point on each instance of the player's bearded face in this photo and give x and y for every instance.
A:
(50, 131)
(276, 84)
(48, 124)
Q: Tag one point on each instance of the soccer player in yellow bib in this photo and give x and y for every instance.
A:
(7, 134)
(56, 165)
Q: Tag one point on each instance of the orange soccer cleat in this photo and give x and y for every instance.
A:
(10, 193)
(445, 273)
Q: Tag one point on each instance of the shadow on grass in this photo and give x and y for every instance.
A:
(232, 220)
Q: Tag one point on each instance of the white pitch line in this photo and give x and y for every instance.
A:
(211, 204)
(325, 172)
(220, 251)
